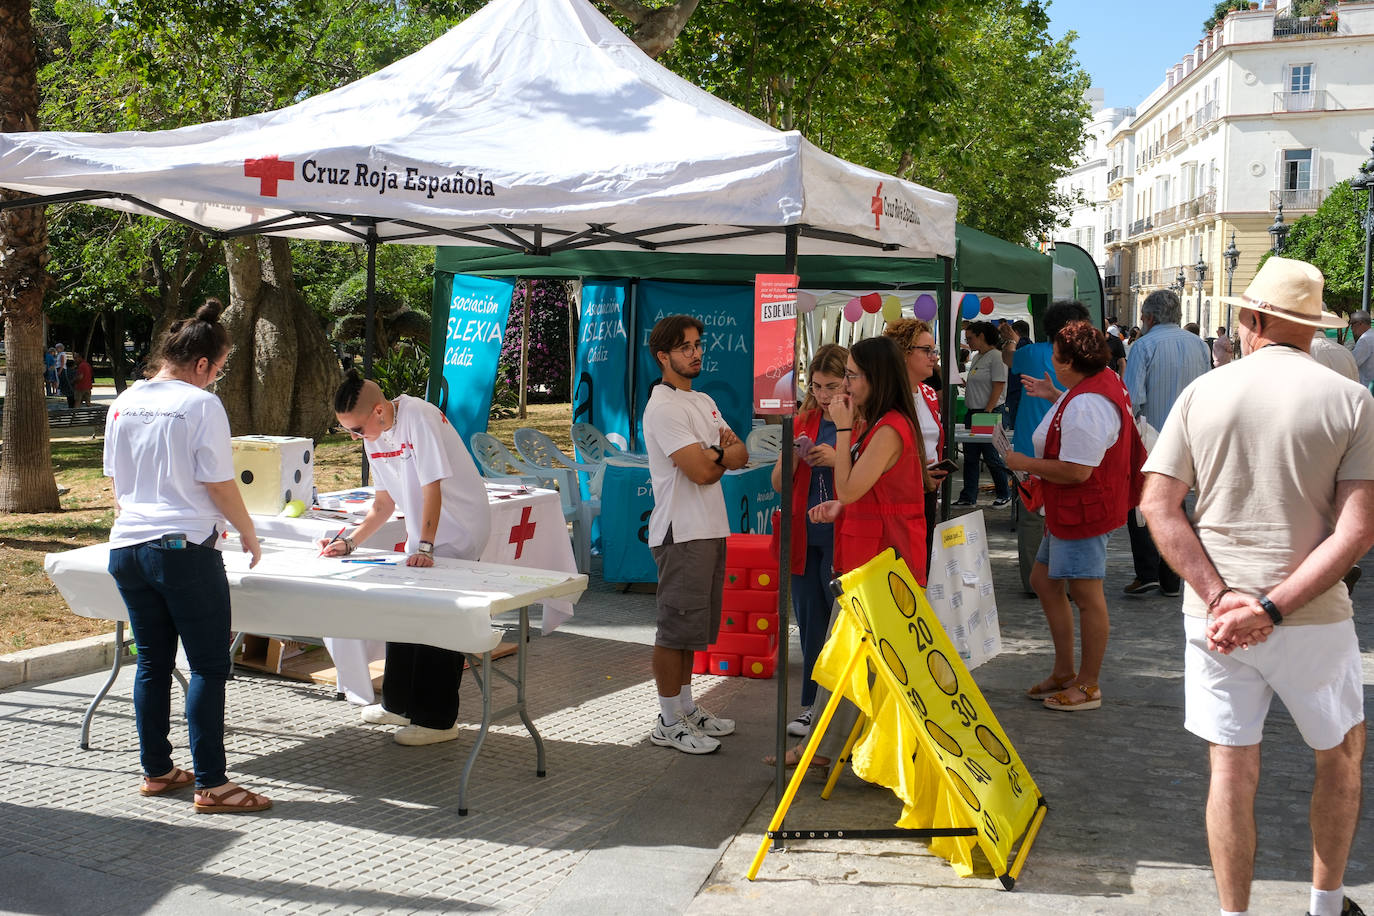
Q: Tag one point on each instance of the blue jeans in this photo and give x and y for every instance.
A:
(974, 455)
(170, 594)
(811, 603)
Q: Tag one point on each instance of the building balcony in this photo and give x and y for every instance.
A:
(1202, 205)
(1141, 225)
(1114, 175)
(1166, 217)
(1113, 235)
(1304, 26)
(1297, 199)
(1112, 281)
(1206, 115)
(1312, 100)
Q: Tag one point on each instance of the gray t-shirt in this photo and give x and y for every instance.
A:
(984, 370)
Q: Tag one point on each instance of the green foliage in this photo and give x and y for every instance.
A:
(394, 319)
(1220, 11)
(1333, 241)
(403, 370)
(547, 372)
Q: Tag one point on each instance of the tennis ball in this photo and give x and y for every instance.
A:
(293, 509)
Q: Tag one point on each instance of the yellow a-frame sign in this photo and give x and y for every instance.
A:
(930, 735)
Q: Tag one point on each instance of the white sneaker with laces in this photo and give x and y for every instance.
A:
(419, 735)
(377, 714)
(800, 727)
(682, 735)
(709, 724)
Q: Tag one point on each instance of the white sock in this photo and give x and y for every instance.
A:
(685, 701)
(1327, 903)
(668, 709)
(1235, 913)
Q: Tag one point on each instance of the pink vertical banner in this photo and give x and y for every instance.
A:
(775, 323)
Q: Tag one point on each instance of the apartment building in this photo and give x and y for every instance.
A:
(1268, 109)
(1090, 219)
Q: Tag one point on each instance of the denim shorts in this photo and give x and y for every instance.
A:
(1074, 558)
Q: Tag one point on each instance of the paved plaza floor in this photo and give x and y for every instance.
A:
(619, 825)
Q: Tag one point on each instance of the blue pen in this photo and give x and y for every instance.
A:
(371, 562)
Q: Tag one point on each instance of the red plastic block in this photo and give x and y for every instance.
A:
(760, 666)
(734, 622)
(764, 579)
(736, 577)
(722, 664)
(744, 644)
(749, 550)
(699, 662)
(763, 623)
(748, 601)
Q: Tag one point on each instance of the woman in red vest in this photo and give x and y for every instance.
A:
(1088, 457)
(916, 341)
(881, 481)
(813, 544)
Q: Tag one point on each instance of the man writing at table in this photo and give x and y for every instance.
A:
(424, 471)
(690, 449)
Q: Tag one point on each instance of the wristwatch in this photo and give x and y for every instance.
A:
(426, 549)
(1271, 609)
(720, 455)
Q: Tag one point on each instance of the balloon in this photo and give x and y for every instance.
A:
(871, 302)
(892, 308)
(853, 310)
(986, 305)
(925, 307)
(969, 306)
(805, 302)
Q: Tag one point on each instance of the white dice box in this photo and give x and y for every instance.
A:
(273, 470)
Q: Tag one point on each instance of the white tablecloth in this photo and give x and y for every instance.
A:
(294, 591)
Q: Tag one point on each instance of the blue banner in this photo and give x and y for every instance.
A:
(469, 324)
(601, 394)
(727, 365)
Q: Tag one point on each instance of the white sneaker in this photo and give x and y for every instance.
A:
(682, 735)
(417, 735)
(710, 725)
(800, 727)
(377, 714)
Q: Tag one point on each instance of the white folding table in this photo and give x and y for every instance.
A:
(295, 591)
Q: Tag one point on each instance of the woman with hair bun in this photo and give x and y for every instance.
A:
(167, 450)
(1088, 457)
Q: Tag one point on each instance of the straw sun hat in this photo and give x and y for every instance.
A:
(1288, 289)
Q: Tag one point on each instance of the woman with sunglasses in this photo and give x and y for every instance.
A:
(813, 543)
(167, 450)
(915, 339)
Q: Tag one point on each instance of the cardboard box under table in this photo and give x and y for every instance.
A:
(293, 590)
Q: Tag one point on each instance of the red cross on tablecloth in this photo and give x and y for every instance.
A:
(522, 532)
(270, 170)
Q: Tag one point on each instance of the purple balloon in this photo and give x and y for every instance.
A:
(925, 307)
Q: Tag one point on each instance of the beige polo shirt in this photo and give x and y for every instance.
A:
(1263, 442)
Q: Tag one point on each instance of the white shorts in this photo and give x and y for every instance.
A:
(1315, 670)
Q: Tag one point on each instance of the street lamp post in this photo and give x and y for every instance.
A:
(1365, 182)
(1180, 282)
(1200, 268)
(1232, 256)
(1278, 232)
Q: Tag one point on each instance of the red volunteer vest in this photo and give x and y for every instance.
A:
(808, 424)
(891, 514)
(932, 399)
(1101, 503)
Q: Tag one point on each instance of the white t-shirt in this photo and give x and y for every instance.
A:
(419, 449)
(1090, 425)
(930, 427)
(1264, 440)
(675, 419)
(164, 440)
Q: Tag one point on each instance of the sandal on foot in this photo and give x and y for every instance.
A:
(793, 757)
(230, 799)
(1075, 698)
(1049, 687)
(161, 785)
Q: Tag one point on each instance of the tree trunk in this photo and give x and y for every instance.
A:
(655, 29)
(113, 324)
(26, 478)
(281, 374)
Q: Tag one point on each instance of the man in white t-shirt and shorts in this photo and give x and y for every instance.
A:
(690, 448)
(1281, 454)
(423, 468)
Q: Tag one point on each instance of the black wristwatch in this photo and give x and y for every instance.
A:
(720, 455)
(1271, 609)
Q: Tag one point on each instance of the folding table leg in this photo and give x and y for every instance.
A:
(520, 693)
(485, 684)
(109, 682)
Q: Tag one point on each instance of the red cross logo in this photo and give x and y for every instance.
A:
(877, 206)
(270, 170)
(522, 532)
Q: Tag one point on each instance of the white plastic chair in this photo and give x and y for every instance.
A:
(764, 442)
(496, 462)
(577, 511)
(541, 451)
(592, 443)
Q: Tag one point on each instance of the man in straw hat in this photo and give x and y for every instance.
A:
(1281, 453)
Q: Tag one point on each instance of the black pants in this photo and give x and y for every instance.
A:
(1149, 565)
(421, 683)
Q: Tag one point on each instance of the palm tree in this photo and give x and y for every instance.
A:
(26, 478)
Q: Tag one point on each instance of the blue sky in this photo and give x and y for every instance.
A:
(1126, 46)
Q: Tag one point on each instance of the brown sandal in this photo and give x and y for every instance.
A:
(1075, 698)
(1049, 687)
(161, 785)
(230, 799)
(793, 757)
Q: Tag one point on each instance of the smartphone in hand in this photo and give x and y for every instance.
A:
(949, 465)
(803, 445)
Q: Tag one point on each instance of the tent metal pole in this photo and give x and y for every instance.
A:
(785, 557)
(370, 318)
(631, 389)
(947, 390)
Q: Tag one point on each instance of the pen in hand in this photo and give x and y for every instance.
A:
(333, 539)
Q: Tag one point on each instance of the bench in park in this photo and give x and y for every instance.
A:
(70, 417)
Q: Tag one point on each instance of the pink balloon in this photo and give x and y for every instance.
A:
(853, 310)
(986, 305)
(926, 307)
(806, 302)
(871, 302)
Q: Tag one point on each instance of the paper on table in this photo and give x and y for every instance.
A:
(1003, 445)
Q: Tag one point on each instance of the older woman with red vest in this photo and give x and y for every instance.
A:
(813, 543)
(921, 358)
(1088, 457)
